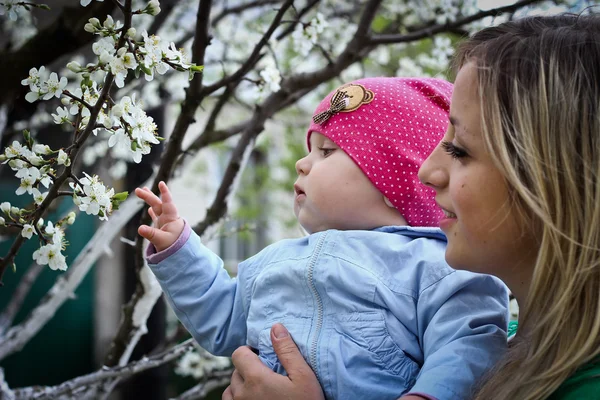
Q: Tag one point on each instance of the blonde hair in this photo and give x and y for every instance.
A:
(539, 86)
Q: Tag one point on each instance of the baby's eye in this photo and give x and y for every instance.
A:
(326, 151)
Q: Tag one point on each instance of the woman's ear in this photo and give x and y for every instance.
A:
(388, 202)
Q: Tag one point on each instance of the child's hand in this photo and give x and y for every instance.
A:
(168, 225)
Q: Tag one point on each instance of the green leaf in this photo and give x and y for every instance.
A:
(121, 197)
(117, 199)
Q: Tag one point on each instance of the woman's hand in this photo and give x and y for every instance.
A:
(164, 217)
(253, 380)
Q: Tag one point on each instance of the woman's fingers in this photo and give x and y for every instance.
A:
(237, 382)
(227, 395)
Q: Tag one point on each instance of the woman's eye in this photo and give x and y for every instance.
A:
(453, 150)
(326, 151)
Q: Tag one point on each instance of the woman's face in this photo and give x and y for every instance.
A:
(484, 232)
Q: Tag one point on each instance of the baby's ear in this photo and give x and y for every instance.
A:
(388, 202)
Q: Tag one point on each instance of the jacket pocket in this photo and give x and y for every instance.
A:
(370, 333)
(298, 329)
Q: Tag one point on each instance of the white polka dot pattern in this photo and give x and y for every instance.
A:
(390, 137)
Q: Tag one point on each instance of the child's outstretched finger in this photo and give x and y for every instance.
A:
(152, 215)
(150, 198)
(168, 206)
(165, 193)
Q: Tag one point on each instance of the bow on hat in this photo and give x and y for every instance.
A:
(339, 101)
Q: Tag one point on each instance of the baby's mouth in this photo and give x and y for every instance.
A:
(448, 214)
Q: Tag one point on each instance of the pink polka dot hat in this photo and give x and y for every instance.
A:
(389, 126)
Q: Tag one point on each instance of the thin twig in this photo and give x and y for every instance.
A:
(430, 31)
(121, 372)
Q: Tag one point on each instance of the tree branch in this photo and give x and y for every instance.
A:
(290, 28)
(67, 172)
(121, 372)
(240, 9)
(19, 335)
(430, 31)
(124, 340)
(216, 380)
(254, 56)
(60, 38)
(19, 295)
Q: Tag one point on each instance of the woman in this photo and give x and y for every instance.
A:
(518, 176)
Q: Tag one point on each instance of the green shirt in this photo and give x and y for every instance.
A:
(583, 385)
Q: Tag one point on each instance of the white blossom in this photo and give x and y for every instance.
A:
(50, 254)
(153, 52)
(62, 116)
(93, 197)
(196, 366)
(448, 11)
(54, 87)
(27, 231)
(2, 221)
(34, 78)
(9, 7)
(56, 233)
(121, 140)
(16, 149)
(104, 45)
(29, 177)
(271, 76)
(118, 169)
(46, 180)
(409, 68)
(38, 197)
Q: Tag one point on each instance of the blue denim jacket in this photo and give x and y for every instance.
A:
(375, 313)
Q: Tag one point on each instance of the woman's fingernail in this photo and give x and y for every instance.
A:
(279, 331)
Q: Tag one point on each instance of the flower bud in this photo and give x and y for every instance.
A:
(153, 8)
(5, 207)
(71, 218)
(74, 66)
(42, 149)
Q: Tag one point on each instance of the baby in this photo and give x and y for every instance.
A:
(367, 296)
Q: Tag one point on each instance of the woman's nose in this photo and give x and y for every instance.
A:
(434, 170)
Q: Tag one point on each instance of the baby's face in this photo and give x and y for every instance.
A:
(332, 192)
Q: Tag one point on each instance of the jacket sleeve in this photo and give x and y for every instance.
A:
(204, 297)
(462, 322)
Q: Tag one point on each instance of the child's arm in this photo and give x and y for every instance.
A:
(205, 299)
(462, 329)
